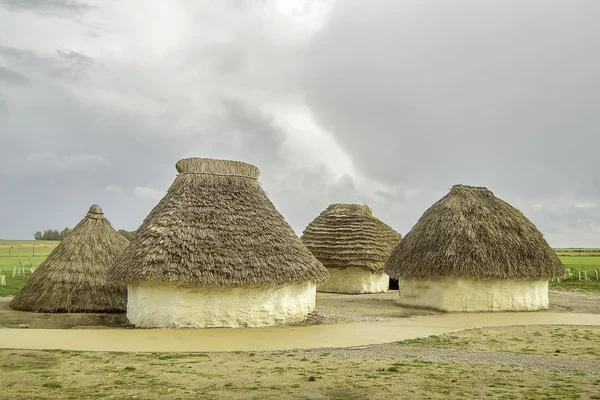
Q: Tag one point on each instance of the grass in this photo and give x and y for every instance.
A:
(24, 253)
(14, 285)
(578, 264)
(24, 248)
(572, 342)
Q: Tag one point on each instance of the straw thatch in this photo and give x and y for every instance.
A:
(217, 227)
(348, 235)
(472, 233)
(74, 277)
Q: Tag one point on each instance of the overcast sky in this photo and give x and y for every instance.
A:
(382, 102)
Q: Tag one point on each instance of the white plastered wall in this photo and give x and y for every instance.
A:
(467, 294)
(354, 281)
(166, 305)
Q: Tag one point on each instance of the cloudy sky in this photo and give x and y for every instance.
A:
(382, 102)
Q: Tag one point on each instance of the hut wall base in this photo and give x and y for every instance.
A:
(354, 281)
(167, 305)
(463, 294)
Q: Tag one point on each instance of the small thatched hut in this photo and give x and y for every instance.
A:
(353, 245)
(471, 251)
(74, 278)
(215, 252)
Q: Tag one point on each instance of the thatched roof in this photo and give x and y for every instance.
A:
(472, 233)
(348, 235)
(217, 227)
(74, 277)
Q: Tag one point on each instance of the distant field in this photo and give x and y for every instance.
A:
(576, 264)
(581, 260)
(14, 285)
(21, 253)
(26, 248)
(578, 252)
(28, 243)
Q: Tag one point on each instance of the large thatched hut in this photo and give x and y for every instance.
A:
(353, 245)
(74, 278)
(215, 252)
(471, 251)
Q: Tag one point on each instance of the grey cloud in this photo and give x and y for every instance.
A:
(60, 7)
(447, 92)
(253, 131)
(3, 105)
(420, 95)
(66, 65)
(12, 77)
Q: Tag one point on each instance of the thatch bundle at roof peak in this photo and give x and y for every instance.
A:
(217, 227)
(472, 233)
(348, 235)
(344, 209)
(208, 166)
(95, 212)
(74, 277)
(468, 187)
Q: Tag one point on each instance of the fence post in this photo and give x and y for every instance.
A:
(14, 271)
(584, 275)
(597, 275)
(33, 251)
(10, 251)
(579, 274)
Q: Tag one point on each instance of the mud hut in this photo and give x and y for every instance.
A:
(353, 245)
(471, 251)
(215, 252)
(74, 278)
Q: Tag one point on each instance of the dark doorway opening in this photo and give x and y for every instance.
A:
(393, 284)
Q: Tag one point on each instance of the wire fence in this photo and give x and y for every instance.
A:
(580, 273)
(25, 251)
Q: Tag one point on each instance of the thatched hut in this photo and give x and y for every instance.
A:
(74, 278)
(215, 252)
(471, 251)
(353, 245)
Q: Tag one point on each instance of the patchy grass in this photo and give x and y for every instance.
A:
(52, 385)
(551, 341)
(379, 372)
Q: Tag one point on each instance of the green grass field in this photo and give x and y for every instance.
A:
(576, 264)
(14, 285)
(21, 253)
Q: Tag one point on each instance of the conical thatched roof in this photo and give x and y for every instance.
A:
(74, 277)
(348, 235)
(217, 227)
(472, 233)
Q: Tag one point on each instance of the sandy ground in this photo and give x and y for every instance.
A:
(516, 362)
(497, 363)
(331, 308)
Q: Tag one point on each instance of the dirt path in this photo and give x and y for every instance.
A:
(281, 338)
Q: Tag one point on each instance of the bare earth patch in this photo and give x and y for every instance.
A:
(465, 365)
